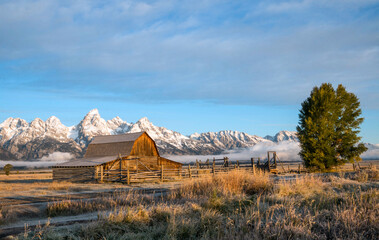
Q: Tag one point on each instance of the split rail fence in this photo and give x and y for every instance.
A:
(196, 170)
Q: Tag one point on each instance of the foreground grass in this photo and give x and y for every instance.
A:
(235, 205)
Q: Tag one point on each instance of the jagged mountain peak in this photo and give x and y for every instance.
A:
(144, 120)
(14, 123)
(53, 121)
(38, 138)
(37, 123)
(94, 111)
(228, 139)
(283, 135)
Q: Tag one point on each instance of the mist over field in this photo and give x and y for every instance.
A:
(286, 151)
(46, 161)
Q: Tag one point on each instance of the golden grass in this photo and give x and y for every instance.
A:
(302, 185)
(227, 184)
(234, 206)
(26, 176)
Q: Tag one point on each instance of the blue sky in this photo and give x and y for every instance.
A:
(191, 66)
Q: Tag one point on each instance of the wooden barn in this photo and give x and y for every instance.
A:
(114, 157)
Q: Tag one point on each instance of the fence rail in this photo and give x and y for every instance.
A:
(197, 170)
(201, 169)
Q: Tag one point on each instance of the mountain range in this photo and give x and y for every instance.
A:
(22, 140)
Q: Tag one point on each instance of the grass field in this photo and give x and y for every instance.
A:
(228, 206)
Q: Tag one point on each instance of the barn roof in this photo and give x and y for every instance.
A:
(87, 162)
(127, 137)
(112, 145)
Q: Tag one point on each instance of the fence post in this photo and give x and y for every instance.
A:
(238, 165)
(213, 167)
(119, 156)
(162, 172)
(96, 176)
(127, 172)
(299, 169)
(189, 171)
(252, 165)
(101, 173)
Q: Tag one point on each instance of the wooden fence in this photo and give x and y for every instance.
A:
(207, 168)
(196, 170)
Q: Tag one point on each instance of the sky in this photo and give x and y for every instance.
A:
(190, 66)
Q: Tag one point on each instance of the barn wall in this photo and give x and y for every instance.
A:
(169, 164)
(151, 162)
(144, 146)
(82, 174)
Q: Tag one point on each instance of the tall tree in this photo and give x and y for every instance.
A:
(328, 128)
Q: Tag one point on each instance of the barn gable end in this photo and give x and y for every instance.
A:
(144, 146)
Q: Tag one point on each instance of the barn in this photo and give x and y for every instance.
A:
(121, 154)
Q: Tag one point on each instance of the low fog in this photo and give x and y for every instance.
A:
(286, 151)
(46, 161)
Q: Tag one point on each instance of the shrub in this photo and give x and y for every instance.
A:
(7, 168)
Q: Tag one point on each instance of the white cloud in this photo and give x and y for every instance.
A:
(173, 47)
(58, 157)
(286, 151)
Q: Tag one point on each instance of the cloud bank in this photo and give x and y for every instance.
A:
(286, 151)
(58, 157)
(47, 161)
(238, 52)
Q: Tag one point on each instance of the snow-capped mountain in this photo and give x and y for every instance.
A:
(35, 139)
(22, 140)
(283, 136)
(228, 139)
(93, 125)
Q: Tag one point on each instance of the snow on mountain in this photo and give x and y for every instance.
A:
(32, 140)
(93, 125)
(228, 139)
(283, 136)
(171, 142)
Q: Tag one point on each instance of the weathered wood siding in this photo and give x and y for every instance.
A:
(144, 163)
(144, 146)
(169, 164)
(81, 174)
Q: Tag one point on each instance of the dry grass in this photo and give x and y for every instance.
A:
(26, 176)
(228, 184)
(235, 206)
(117, 199)
(51, 188)
(305, 186)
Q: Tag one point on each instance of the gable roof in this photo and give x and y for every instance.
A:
(112, 145)
(127, 137)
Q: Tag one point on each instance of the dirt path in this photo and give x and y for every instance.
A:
(32, 224)
(35, 207)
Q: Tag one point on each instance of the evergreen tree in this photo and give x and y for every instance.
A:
(328, 128)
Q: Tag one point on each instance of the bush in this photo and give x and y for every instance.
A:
(7, 168)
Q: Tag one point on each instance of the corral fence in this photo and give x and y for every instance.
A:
(197, 169)
(210, 167)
